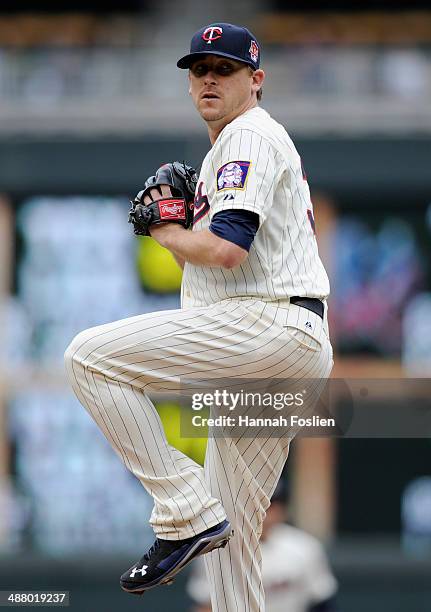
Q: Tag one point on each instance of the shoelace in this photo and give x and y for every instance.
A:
(152, 550)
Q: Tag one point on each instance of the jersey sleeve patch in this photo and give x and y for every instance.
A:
(233, 175)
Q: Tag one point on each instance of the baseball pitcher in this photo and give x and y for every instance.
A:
(253, 306)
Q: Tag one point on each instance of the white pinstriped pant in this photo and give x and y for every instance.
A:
(113, 367)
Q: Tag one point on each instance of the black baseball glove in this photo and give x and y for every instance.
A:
(182, 180)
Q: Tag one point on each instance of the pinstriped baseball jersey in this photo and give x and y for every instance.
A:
(254, 165)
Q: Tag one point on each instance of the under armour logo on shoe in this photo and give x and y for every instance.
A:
(142, 571)
(308, 324)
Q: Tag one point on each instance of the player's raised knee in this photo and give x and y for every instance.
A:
(80, 348)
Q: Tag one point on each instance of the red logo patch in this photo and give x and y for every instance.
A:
(254, 51)
(172, 209)
(212, 33)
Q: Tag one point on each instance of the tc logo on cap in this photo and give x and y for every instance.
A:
(212, 33)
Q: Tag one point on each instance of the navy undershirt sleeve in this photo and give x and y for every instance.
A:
(237, 226)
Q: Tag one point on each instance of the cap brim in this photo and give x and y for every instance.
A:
(187, 60)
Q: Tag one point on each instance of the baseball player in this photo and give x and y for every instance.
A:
(253, 306)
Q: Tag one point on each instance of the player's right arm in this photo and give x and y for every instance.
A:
(225, 244)
(202, 248)
(180, 261)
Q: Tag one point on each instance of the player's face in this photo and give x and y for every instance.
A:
(222, 88)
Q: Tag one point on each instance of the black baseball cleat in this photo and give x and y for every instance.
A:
(167, 557)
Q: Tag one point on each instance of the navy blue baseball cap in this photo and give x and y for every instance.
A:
(226, 40)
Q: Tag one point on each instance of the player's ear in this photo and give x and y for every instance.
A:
(258, 79)
(190, 85)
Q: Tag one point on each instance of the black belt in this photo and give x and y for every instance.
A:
(313, 304)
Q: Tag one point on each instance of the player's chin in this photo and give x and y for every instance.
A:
(210, 109)
(211, 114)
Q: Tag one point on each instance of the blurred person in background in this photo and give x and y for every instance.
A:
(296, 573)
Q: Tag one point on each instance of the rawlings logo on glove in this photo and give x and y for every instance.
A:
(182, 181)
(172, 210)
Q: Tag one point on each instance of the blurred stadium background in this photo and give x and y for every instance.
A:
(90, 103)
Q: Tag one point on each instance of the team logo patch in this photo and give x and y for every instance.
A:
(172, 209)
(213, 33)
(233, 175)
(254, 51)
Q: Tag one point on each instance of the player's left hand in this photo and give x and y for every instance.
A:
(166, 198)
(154, 194)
